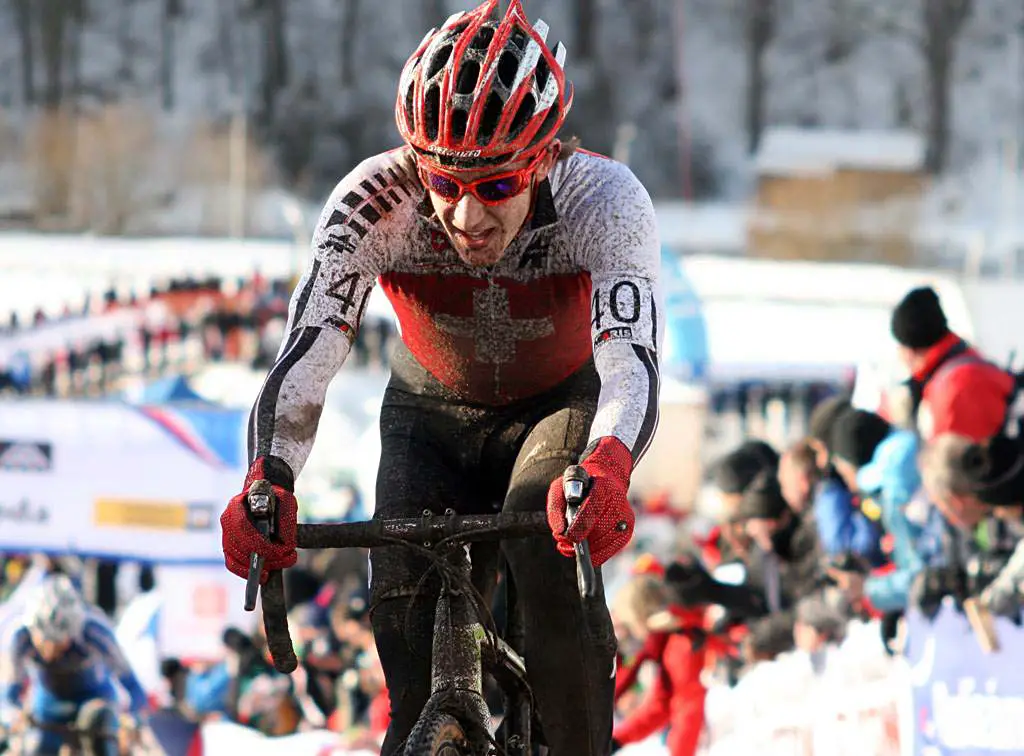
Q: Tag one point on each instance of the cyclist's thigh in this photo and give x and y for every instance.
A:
(555, 441)
(570, 645)
(416, 473)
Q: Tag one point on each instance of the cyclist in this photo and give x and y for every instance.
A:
(524, 275)
(69, 654)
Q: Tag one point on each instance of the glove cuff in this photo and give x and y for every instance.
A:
(272, 469)
(611, 454)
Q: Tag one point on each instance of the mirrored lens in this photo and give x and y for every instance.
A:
(444, 186)
(499, 189)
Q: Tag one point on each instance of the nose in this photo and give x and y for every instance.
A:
(468, 213)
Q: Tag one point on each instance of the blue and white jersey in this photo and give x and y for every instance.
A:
(88, 669)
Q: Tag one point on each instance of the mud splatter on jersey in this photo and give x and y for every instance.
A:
(579, 281)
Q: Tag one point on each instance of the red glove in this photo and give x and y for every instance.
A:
(605, 518)
(239, 537)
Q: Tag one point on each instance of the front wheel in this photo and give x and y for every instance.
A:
(437, 734)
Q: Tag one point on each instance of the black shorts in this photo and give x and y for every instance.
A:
(439, 453)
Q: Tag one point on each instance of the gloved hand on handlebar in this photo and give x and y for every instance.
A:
(239, 534)
(605, 519)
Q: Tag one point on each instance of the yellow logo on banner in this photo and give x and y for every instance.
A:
(151, 515)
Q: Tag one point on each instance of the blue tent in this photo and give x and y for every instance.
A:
(685, 349)
(176, 388)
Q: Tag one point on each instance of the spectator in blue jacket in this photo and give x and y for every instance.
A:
(880, 462)
(843, 529)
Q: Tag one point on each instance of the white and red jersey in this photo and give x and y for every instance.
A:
(579, 281)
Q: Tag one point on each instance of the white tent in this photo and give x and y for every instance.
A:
(806, 319)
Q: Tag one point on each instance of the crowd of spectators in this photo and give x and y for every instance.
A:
(174, 328)
(876, 512)
(907, 508)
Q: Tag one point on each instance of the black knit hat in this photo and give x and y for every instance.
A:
(737, 469)
(824, 415)
(856, 434)
(763, 499)
(918, 321)
(995, 470)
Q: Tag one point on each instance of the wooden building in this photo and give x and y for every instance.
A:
(837, 195)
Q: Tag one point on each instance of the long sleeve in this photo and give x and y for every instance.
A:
(323, 319)
(623, 255)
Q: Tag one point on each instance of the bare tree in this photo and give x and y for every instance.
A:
(586, 29)
(125, 44)
(761, 18)
(23, 18)
(275, 54)
(172, 11)
(349, 35)
(53, 18)
(78, 12)
(941, 22)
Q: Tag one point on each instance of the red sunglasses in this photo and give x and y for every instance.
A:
(490, 190)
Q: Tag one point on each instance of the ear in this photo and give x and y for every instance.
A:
(548, 161)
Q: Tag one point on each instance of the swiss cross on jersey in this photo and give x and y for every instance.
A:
(494, 340)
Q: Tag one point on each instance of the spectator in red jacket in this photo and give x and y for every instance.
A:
(674, 639)
(955, 389)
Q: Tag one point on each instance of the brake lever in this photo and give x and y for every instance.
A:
(575, 485)
(262, 506)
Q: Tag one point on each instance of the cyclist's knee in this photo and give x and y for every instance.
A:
(98, 722)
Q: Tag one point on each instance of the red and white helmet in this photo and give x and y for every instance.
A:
(479, 92)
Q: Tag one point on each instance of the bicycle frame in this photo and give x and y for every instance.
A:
(459, 637)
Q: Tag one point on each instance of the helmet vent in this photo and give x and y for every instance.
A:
(439, 60)
(543, 72)
(432, 111)
(519, 39)
(490, 118)
(410, 102)
(483, 38)
(459, 120)
(508, 65)
(469, 73)
(523, 114)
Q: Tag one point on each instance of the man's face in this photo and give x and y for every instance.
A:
(481, 233)
(820, 453)
(760, 530)
(964, 512)
(794, 482)
(49, 650)
(909, 358)
(847, 471)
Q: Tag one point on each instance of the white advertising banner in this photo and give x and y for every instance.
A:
(198, 603)
(113, 480)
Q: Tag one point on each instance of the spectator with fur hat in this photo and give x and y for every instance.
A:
(954, 389)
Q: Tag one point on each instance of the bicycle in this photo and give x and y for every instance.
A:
(455, 720)
(91, 733)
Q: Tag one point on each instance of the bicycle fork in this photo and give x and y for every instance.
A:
(457, 667)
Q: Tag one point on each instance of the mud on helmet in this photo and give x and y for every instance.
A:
(479, 92)
(57, 612)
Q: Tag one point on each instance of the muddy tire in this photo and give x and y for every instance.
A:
(437, 734)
